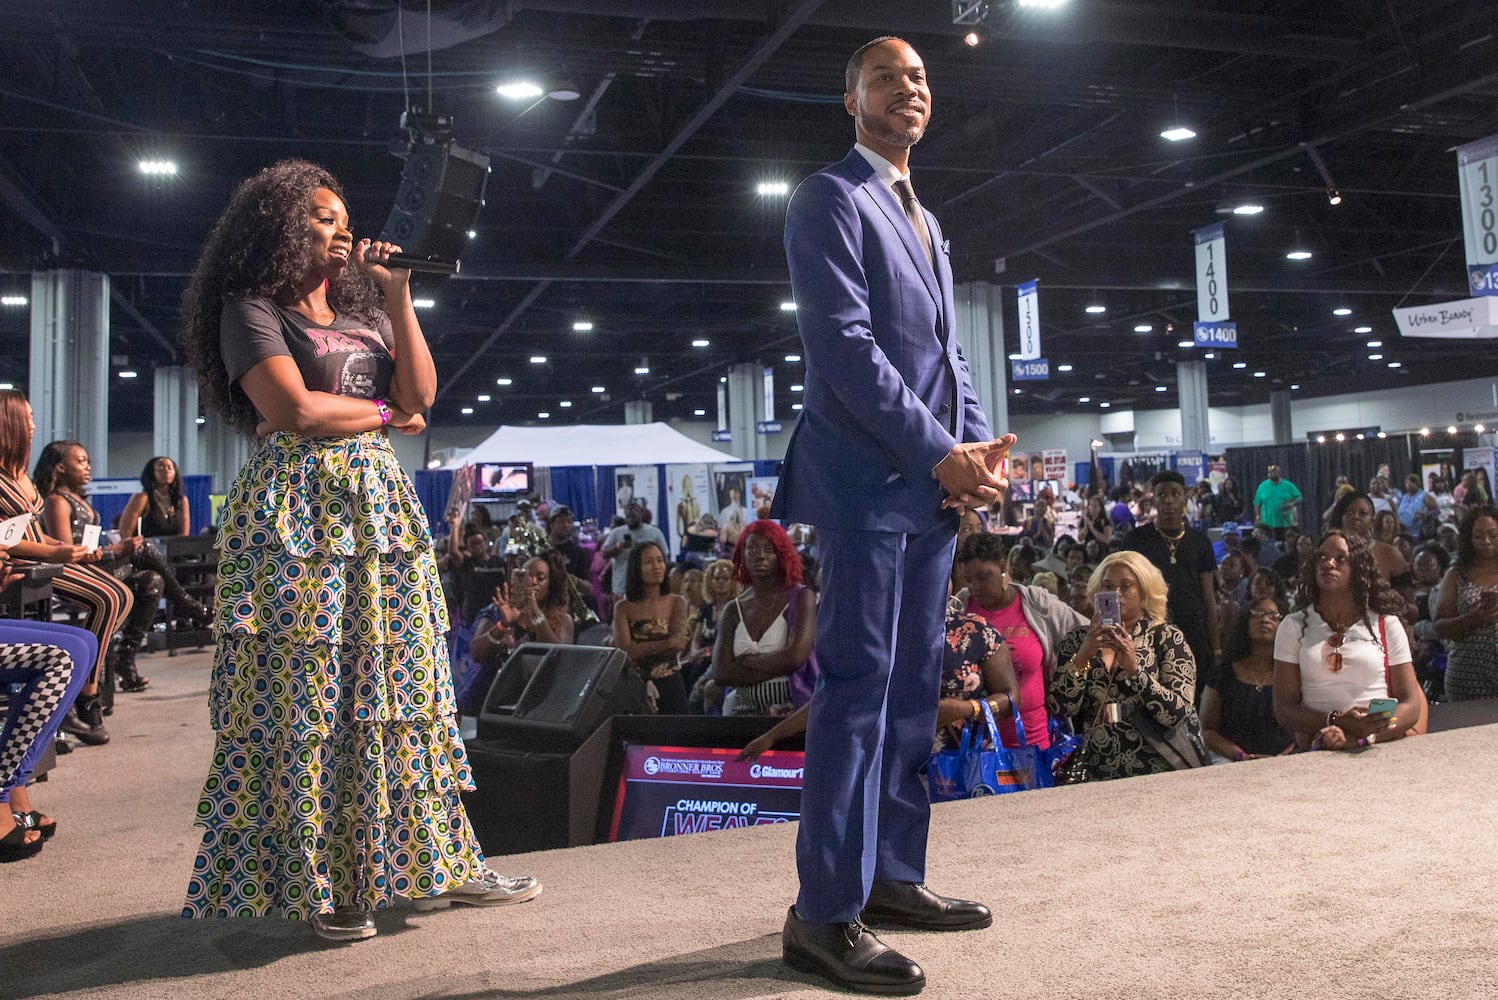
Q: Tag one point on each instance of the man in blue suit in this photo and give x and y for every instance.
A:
(891, 439)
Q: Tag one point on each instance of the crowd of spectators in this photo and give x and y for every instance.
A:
(1228, 614)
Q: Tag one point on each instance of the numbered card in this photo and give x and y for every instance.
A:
(13, 529)
(91, 537)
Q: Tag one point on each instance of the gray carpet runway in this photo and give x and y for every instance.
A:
(1325, 875)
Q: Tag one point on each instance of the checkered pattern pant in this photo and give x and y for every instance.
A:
(49, 664)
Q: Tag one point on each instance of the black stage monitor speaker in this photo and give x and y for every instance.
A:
(554, 697)
(441, 192)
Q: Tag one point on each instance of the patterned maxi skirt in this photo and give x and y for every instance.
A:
(337, 764)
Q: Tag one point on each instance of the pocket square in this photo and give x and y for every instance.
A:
(946, 247)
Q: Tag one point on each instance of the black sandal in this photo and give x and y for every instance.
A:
(15, 847)
(33, 821)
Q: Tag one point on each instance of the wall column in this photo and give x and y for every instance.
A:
(69, 378)
(638, 411)
(979, 325)
(1279, 416)
(175, 427)
(745, 386)
(1191, 386)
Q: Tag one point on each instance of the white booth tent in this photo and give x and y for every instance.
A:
(591, 445)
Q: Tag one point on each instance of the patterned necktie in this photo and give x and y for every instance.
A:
(916, 216)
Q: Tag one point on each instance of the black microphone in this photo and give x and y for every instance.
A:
(422, 265)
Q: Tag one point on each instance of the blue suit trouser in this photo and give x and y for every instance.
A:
(881, 623)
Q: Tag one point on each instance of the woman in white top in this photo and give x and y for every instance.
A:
(1341, 650)
(767, 634)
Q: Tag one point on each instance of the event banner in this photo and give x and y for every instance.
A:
(730, 488)
(670, 791)
(1029, 320)
(1477, 179)
(761, 493)
(689, 492)
(639, 484)
(1053, 461)
(1212, 328)
(1019, 475)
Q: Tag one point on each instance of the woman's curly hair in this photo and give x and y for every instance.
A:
(261, 246)
(1370, 591)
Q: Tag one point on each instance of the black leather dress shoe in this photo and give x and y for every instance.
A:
(849, 955)
(911, 904)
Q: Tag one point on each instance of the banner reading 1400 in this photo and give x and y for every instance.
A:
(1212, 328)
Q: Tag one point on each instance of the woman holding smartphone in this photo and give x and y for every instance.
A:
(1343, 676)
(1466, 612)
(1126, 662)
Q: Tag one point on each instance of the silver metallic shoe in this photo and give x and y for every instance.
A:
(489, 889)
(344, 925)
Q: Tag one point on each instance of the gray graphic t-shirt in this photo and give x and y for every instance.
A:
(345, 357)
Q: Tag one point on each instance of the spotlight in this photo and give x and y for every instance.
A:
(1177, 133)
(1333, 196)
(976, 37)
(519, 90)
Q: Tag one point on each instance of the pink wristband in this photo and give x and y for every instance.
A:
(384, 409)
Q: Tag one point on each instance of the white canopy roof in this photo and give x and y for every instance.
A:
(591, 444)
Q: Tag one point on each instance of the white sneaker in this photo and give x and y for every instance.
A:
(344, 925)
(489, 889)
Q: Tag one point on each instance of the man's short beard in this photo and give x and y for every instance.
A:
(898, 138)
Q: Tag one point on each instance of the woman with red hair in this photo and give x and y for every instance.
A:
(764, 650)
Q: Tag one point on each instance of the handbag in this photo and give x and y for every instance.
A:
(1065, 744)
(1182, 744)
(972, 770)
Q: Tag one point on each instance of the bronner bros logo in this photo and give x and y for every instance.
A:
(697, 768)
(1462, 418)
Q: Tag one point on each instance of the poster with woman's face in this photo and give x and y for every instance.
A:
(729, 494)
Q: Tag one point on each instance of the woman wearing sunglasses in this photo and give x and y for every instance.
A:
(1343, 656)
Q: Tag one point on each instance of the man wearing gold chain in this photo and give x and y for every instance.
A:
(1183, 555)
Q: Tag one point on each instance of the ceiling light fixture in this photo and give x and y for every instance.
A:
(787, 307)
(1248, 209)
(504, 381)
(538, 359)
(565, 404)
(798, 388)
(1333, 196)
(519, 90)
(1105, 404)
(642, 369)
(423, 303)
(1177, 133)
(1396, 364)
(1185, 343)
(1260, 374)
(598, 389)
(127, 373)
(1298, 255)
(792, 358)
(1084, 399)
(699, 413)
(1362, 329)
(1096, 309)
(544, 415)
(772, 189)
(12, 300)
(1341, 311)
(1451, 429)
(484, 397)
(1375, 357)
(582, 326)
(157, 168)
(1240, 364)
(1294, 385)
(1143, 328)
(200, 421)
(1209, 355)
(795, 406)
(1063, 368)
(700, 343)
(1159, 388)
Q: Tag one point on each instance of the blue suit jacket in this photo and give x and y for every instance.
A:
(884, 372)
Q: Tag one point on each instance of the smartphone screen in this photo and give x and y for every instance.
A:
(1105, 603)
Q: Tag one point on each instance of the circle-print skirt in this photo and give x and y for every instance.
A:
(337, 764)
